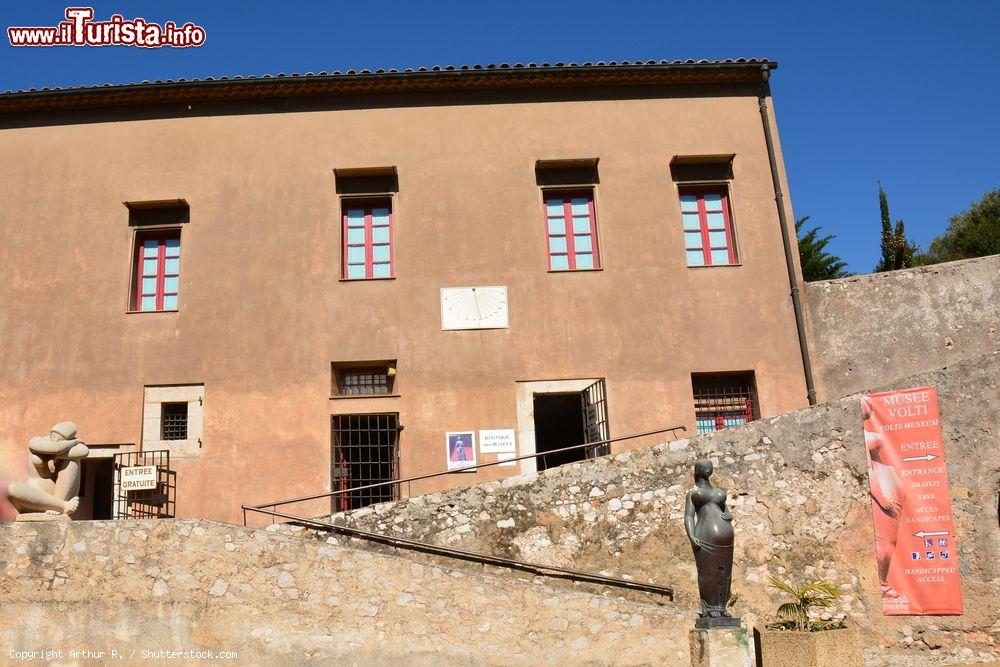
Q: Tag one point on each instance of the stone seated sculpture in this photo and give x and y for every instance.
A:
(53, 476)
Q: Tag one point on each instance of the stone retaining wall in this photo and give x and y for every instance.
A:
(864, 329)
(275, 598)
(799, 496)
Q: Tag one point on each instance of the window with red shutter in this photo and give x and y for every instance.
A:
(708, 229)
(157, 271)
(572, 230)
(368, 239)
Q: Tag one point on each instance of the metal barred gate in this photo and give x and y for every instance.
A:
(595, 419)
(159, 503)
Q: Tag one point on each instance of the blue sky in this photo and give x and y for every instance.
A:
(905, 92)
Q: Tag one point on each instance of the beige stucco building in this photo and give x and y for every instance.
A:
(268, 278)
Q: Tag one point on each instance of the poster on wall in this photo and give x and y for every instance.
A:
(497, 441)
(915, 550)
(460, 447)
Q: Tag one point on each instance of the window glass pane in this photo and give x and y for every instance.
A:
(584, 260)
(381, 271)
(355, 234)
(553, 207)
(557, 225)
(380, 253)
(380, 234)
(691, 221)
(582, 243)
(713, 201)
(720, 257)
(356, 254)
(356, 271)
(559, 262)
(580, 205)
(695, 258)
(173, 247)
(171, 284)
(170, 302)
(557, 244)
(581, 225)
(715, 219)
(717, 239)
(689, 203)
(150, 246)
(149, 285)
(149, 267)
(380, 216)
(355, 217)
(172, 265)
(692, 240)
(148, 303)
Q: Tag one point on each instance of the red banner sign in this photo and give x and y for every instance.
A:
(914, 537)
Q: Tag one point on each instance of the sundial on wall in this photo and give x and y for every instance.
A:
(474, 308)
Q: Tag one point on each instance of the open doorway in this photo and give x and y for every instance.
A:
(558, 423)
(566, 419)
(96, 489)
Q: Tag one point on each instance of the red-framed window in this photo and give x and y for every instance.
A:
(368, 238)
(157, 270)
(571, 228)
(708, 227)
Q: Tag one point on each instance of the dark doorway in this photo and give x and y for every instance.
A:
(559, 422)
(365, 451)
(96, 490)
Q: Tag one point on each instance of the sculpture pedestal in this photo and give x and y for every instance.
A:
(41, 516)
(721, 647)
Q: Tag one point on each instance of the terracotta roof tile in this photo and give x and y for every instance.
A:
(392, 71)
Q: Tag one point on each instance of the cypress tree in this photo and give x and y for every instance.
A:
(897, 251)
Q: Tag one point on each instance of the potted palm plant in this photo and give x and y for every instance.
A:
(801, 639)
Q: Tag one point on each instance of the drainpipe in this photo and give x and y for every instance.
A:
(779, 201)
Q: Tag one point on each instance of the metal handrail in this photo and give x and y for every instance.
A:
(440, 473)
(451, 552)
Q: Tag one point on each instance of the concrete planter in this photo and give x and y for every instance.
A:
(826, 648)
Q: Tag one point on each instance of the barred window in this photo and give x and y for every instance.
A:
(364, 378)
(173, 421)
(722, 400)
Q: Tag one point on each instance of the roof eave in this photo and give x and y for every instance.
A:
(424, 80)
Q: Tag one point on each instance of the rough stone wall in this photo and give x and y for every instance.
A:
(865, 330)
(275, 598)
(799, 497)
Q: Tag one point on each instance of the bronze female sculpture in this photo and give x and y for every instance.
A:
(709, 528)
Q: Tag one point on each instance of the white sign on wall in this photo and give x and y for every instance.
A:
(138, 478)
(474, 308)
(497, 441)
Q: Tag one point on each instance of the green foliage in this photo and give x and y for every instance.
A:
(972, 233)
(806, 597)
(897, 251)
(817, 263)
